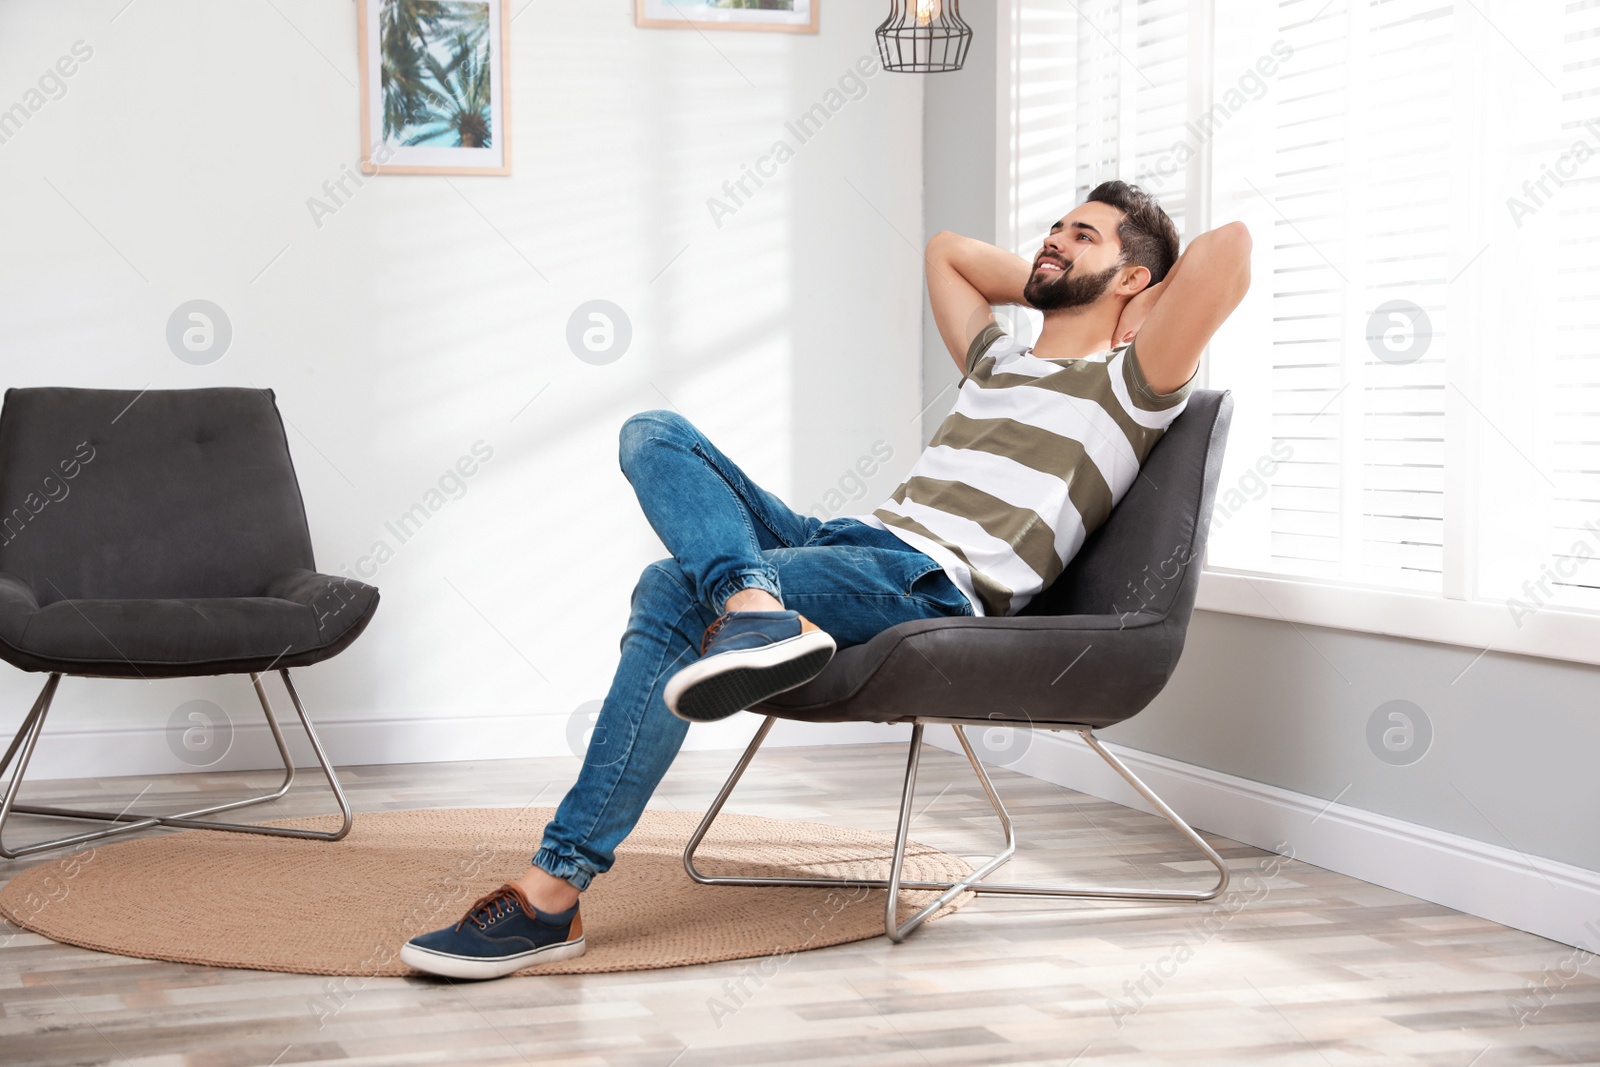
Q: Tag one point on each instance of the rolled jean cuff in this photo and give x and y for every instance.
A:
(755, 578)
(560, 867)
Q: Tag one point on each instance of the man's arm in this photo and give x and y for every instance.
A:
(966, 276)
(1175, 319)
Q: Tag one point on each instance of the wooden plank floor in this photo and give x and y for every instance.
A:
(1295, 965)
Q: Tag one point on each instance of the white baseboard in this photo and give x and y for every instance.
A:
(112, 752)
(1553, 900)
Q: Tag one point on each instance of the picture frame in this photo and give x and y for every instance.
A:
(799, 16)
(435, 95)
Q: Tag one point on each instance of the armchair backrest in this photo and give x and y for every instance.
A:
(1146, 556)
(118, 494)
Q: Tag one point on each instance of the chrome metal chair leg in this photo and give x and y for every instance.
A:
(759, 880)
(974, 881)
(908, 790)
(28, 736)
(40, 702)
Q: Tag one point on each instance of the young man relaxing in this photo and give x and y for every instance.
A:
(1041, 444)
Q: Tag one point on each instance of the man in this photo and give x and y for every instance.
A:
(1041, 444)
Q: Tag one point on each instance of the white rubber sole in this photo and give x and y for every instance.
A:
(718, 686)
(450, 966)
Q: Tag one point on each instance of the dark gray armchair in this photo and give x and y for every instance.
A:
(159, 534)
(1092, 650)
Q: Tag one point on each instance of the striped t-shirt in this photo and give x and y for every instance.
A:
(1032, 458)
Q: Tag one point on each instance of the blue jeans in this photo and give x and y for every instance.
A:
(725, 534)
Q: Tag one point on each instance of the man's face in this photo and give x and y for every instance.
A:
(1079, 260)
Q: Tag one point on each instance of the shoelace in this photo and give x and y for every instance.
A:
(711, 631)
(491, 905)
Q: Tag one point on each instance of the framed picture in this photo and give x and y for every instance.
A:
(793, 16)
(435, 95)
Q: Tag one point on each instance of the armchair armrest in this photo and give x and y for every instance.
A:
(337, 600)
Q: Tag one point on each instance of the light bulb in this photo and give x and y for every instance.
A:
(927, 11)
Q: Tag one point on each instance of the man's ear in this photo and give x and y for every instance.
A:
(1134, 280)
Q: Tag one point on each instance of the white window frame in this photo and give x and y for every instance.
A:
(1454, 618)
(1549, 633)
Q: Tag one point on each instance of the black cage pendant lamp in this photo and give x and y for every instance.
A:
(923, 36)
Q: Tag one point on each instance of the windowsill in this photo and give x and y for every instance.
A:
(1548, 632)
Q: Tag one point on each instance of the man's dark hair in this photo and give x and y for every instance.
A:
(1147, 234)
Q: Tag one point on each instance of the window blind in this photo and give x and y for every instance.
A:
(1360, 190)
(1572, 540)
(1417, 366)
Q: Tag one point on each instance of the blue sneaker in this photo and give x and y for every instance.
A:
(746, 657)
(500, 933)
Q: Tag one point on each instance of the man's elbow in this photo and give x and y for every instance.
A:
(1227, 251)
(1231, 239)
(942, 244)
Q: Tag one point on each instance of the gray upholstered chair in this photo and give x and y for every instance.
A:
(1117, 616)
(159, 534)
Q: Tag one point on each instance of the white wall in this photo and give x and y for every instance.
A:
(427, 313)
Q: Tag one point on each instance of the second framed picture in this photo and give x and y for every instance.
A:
(795, 16)
(434, 86)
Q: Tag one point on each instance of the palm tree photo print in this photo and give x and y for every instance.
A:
(436, 73)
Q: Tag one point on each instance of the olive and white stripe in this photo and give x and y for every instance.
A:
(1028, 463)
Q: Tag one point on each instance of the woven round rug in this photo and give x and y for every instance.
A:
(345, 907)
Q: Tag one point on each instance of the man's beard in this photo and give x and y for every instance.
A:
(1068, 290)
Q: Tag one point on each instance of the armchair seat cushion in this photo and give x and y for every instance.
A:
(1011, 670)
(303, 618)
